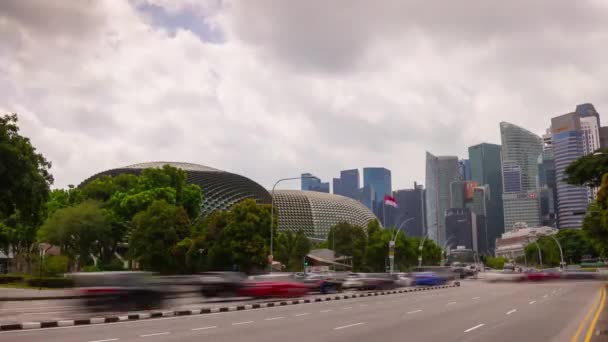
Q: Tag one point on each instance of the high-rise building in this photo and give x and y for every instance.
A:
(312, 183)
(520, 151)
(410, 206)
(573, 136)
(547, 188)
(461, 229)
(379, 179)
(441, 171)
(486, 171)
(348, 183)
(604, 137)
(464, 169)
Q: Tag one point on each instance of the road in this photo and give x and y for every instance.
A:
(477, 311)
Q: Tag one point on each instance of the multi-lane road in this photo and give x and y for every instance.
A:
(476, 311)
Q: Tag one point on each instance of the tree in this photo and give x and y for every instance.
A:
(81, 231)
(24, 174)
(549, 252)
(291, 248)
(588, 170)
(156, 233)
(496, 263)
(351, 241)
(63, 198)
(431, 252)
(24, 189)
(595, 223)
(575, 244)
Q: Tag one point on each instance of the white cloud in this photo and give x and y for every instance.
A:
(295, 86)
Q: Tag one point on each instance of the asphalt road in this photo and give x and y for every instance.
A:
(476, 311)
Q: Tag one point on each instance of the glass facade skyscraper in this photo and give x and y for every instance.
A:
(411, 205)
(464, 169)
(379, 179)
(312, 183)
(486, 171)
(520, 151)
(573, 135)
(441, 171)
(347, 184)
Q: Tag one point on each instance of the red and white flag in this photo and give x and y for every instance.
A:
(390, 200)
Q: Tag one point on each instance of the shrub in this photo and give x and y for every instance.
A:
(55, 264)
(91, 268)
(114, 265)
(52, 282)
(10, 278)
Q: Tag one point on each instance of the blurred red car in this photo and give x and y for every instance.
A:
(273, 286)
(543, 275)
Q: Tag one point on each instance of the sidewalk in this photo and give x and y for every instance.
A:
(7, 294)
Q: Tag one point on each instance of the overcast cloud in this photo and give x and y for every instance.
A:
(271, 89)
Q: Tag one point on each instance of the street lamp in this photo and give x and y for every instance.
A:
(540, 254)
(391, 245)
(561, 252)
(420, 249)
(270, 257)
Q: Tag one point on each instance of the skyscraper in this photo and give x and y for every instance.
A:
(410, 204)
(312, 183)
(441, 171)
(379, 179)
(573, 135)
(461, 228)
(546, 183)
(348, 183)
(486, 170)
(464, 169)
(520, 151)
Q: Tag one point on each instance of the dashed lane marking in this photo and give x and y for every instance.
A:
(204, 328)
(155, 334)
(512, 311)
(475, 327)
(349, 326)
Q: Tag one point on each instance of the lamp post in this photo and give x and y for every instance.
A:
(561, 252)
(391, 245)
(540, 254)
(420, 249)
(270, 257)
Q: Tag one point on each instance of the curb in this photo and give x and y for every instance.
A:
(202, 311)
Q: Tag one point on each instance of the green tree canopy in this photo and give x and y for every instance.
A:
(80, 231)
(588, 170)
(156, 233)
(24, 174)
(291, 248)
(496, 263)
(351, 241)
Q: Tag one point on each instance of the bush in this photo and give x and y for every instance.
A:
(55, 264)
(52, 282)
(114, 265)
(11, 278)
(91, 268)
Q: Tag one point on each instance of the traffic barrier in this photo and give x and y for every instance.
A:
(202, 311)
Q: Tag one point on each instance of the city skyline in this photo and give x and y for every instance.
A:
(159, 80)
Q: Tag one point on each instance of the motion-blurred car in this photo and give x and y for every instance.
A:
(429, 279)
(221, 284)
(323, 282)
(404, 280)
(273, 285)
(369, 281)
(548, 274)
(121, 291)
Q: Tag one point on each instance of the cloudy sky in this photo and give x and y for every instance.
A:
(270, 89)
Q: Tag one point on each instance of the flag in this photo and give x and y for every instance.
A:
(390, 200)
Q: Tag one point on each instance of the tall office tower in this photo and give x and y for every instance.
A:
(604, 137)
(464, 169)
(410, 210)
(312, 183)
(461, 229)
(349, 183)
(573, 135)
(441, 171)
(379, 179)
(520, 151)
(486, 171)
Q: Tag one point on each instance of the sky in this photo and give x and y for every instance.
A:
(272, 88)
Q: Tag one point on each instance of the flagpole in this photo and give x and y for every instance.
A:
(384, 212)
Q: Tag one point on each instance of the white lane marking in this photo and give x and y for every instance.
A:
(108, 340)
(512, 311)
(475, 327)
(532, 302)
(450, 303)
(204, 328)
(274, 318)
(39, 308)
(347, 307)
(240, 323)
(545, 296)
(348, 326)
(476, 297)
(302, 314)
(44, 313)
(415, 311)
(156, 334)
(328, 310)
